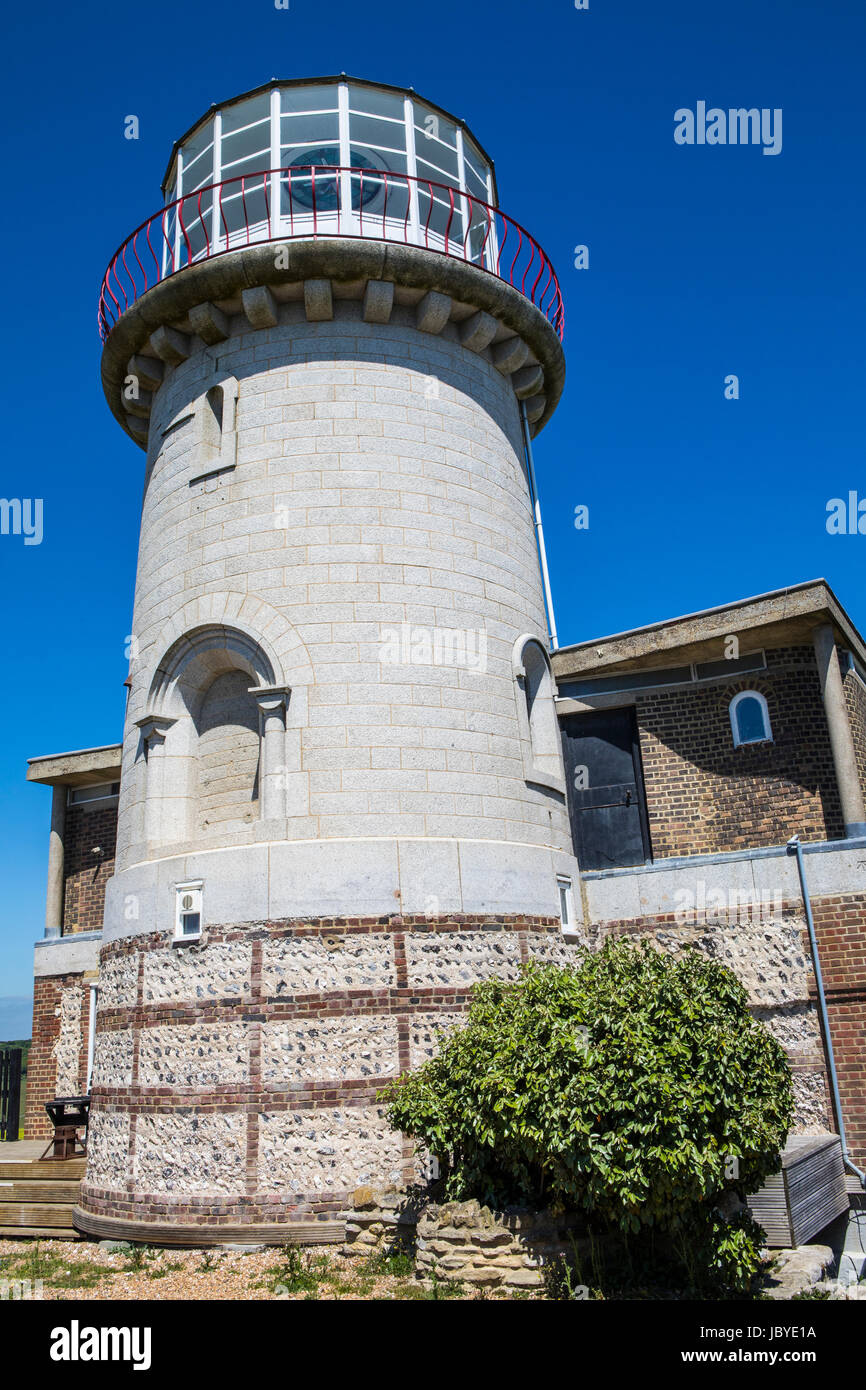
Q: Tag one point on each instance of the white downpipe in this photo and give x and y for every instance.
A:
(91, 1035)
(539, 531)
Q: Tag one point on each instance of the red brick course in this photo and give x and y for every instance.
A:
(86, 874)
(42, 1065)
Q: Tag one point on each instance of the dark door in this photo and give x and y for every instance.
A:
(10, 1092)
(606, 798)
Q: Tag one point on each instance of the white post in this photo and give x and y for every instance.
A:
(465, 217)
(344, 203)
(91, 1034)
(178, 191)
(412, 169)
(275, 228)
(215, 228)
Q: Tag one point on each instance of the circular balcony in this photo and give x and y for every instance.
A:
(316, 201)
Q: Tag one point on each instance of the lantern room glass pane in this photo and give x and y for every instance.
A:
(436, 143)
(309, 130)
(369, 132)
(242, 114)
(306, 99)
(476, 171)
(246, 137)
(372, 101)
(198, 158)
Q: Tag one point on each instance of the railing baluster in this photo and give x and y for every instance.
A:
(120, 283)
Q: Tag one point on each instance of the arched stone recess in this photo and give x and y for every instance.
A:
(535, 694)
(219, 745)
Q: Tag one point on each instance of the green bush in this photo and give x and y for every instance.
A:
(635, 1087)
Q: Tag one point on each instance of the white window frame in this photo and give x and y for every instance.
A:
(565, 889)
(109, 795)
(732, 712)
(195, 888)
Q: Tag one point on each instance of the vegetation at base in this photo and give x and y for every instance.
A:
(55, 1269)
(635, 1088)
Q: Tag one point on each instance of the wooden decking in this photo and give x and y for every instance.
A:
(37, 1197)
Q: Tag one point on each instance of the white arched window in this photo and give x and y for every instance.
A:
(539, 726)
(750, 718)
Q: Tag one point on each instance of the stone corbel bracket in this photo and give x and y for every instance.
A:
(194, 309)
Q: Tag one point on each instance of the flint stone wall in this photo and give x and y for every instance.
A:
(461, 958)
(329, 1049)
(208, 1055)
(197, 973)
(112, 1058)
(67, 1049)
(326, 1150)
(188, 1155)
(319, 964)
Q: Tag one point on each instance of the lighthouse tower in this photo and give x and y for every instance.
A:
(342, 798)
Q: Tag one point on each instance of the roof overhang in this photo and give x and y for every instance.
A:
(80, 769)
(785, 617)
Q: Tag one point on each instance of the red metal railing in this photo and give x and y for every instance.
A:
(317, 201)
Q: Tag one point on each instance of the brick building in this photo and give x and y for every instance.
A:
(348, 786)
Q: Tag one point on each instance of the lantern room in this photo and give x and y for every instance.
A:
(332, 156)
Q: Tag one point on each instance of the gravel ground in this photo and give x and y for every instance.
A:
(81, 1270)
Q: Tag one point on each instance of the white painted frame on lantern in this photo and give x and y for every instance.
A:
(473, 168)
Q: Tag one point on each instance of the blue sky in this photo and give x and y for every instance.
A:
(703, 262)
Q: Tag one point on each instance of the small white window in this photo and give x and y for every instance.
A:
(750, 718)
(188, 911)
(99, 791)
(566, 902)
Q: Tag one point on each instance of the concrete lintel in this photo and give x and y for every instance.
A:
(478, 331)
(67, 955)
(76, 769)
(318, 301)
(527, 381)
(433, 312)
(510, 355)
(171, 346)
(697, 861)
(210, 323)
(378, 301)
(148, 370)
(260, 307)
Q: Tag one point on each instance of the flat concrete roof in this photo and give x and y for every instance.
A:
(784, 617)
(79, 769)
